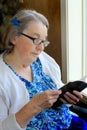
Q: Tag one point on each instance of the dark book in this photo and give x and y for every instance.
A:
(69, 87)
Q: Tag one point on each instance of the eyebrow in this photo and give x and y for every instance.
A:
(38, 35)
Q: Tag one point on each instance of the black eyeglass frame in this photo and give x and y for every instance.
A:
(45, 42)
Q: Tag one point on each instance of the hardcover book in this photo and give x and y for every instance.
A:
(69, 87)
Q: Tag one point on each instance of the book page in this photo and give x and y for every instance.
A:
(84, 92)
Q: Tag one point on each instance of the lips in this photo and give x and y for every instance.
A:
(35, 54)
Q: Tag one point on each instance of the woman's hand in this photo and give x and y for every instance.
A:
(39, 102)
(45, 99)
(72, 98)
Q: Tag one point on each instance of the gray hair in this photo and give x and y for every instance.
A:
(18, 23)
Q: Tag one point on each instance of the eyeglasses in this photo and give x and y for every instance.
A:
(37, 41)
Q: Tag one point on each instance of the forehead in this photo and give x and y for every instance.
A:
(36, 27)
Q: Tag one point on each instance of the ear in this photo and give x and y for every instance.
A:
(13, 39)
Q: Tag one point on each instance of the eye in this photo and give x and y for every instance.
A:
(37, 41)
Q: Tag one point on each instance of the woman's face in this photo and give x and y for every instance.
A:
(25, 47)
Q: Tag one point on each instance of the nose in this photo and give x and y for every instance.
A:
(40, 47)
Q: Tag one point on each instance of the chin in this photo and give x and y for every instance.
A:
(33, 59)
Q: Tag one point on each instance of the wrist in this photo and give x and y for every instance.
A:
(26, 113)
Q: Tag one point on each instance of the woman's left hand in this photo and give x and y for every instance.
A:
(72, 98)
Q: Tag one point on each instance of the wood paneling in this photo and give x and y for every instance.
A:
(51, 9)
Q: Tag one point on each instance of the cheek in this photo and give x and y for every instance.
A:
(23, 48)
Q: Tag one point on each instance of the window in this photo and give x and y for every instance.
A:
(74, 41)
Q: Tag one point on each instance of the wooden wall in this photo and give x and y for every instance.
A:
(51, 9)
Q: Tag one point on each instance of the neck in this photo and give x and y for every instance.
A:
(15, 61)
(20, 66)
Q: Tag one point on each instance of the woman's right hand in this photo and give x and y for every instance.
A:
(45, 99)
(39, 102)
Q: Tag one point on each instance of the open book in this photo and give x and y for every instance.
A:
(69, 87)
(84, 93)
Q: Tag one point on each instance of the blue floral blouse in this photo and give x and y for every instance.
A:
(48, 119)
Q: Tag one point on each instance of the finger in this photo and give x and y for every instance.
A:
(71, 98)
(47, 97)
(78, 94)
(64, 101)
(54, 92)
(45, 105)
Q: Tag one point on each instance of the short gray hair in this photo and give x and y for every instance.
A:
(18, 23)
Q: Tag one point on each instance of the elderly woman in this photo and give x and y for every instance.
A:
(30, 78)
